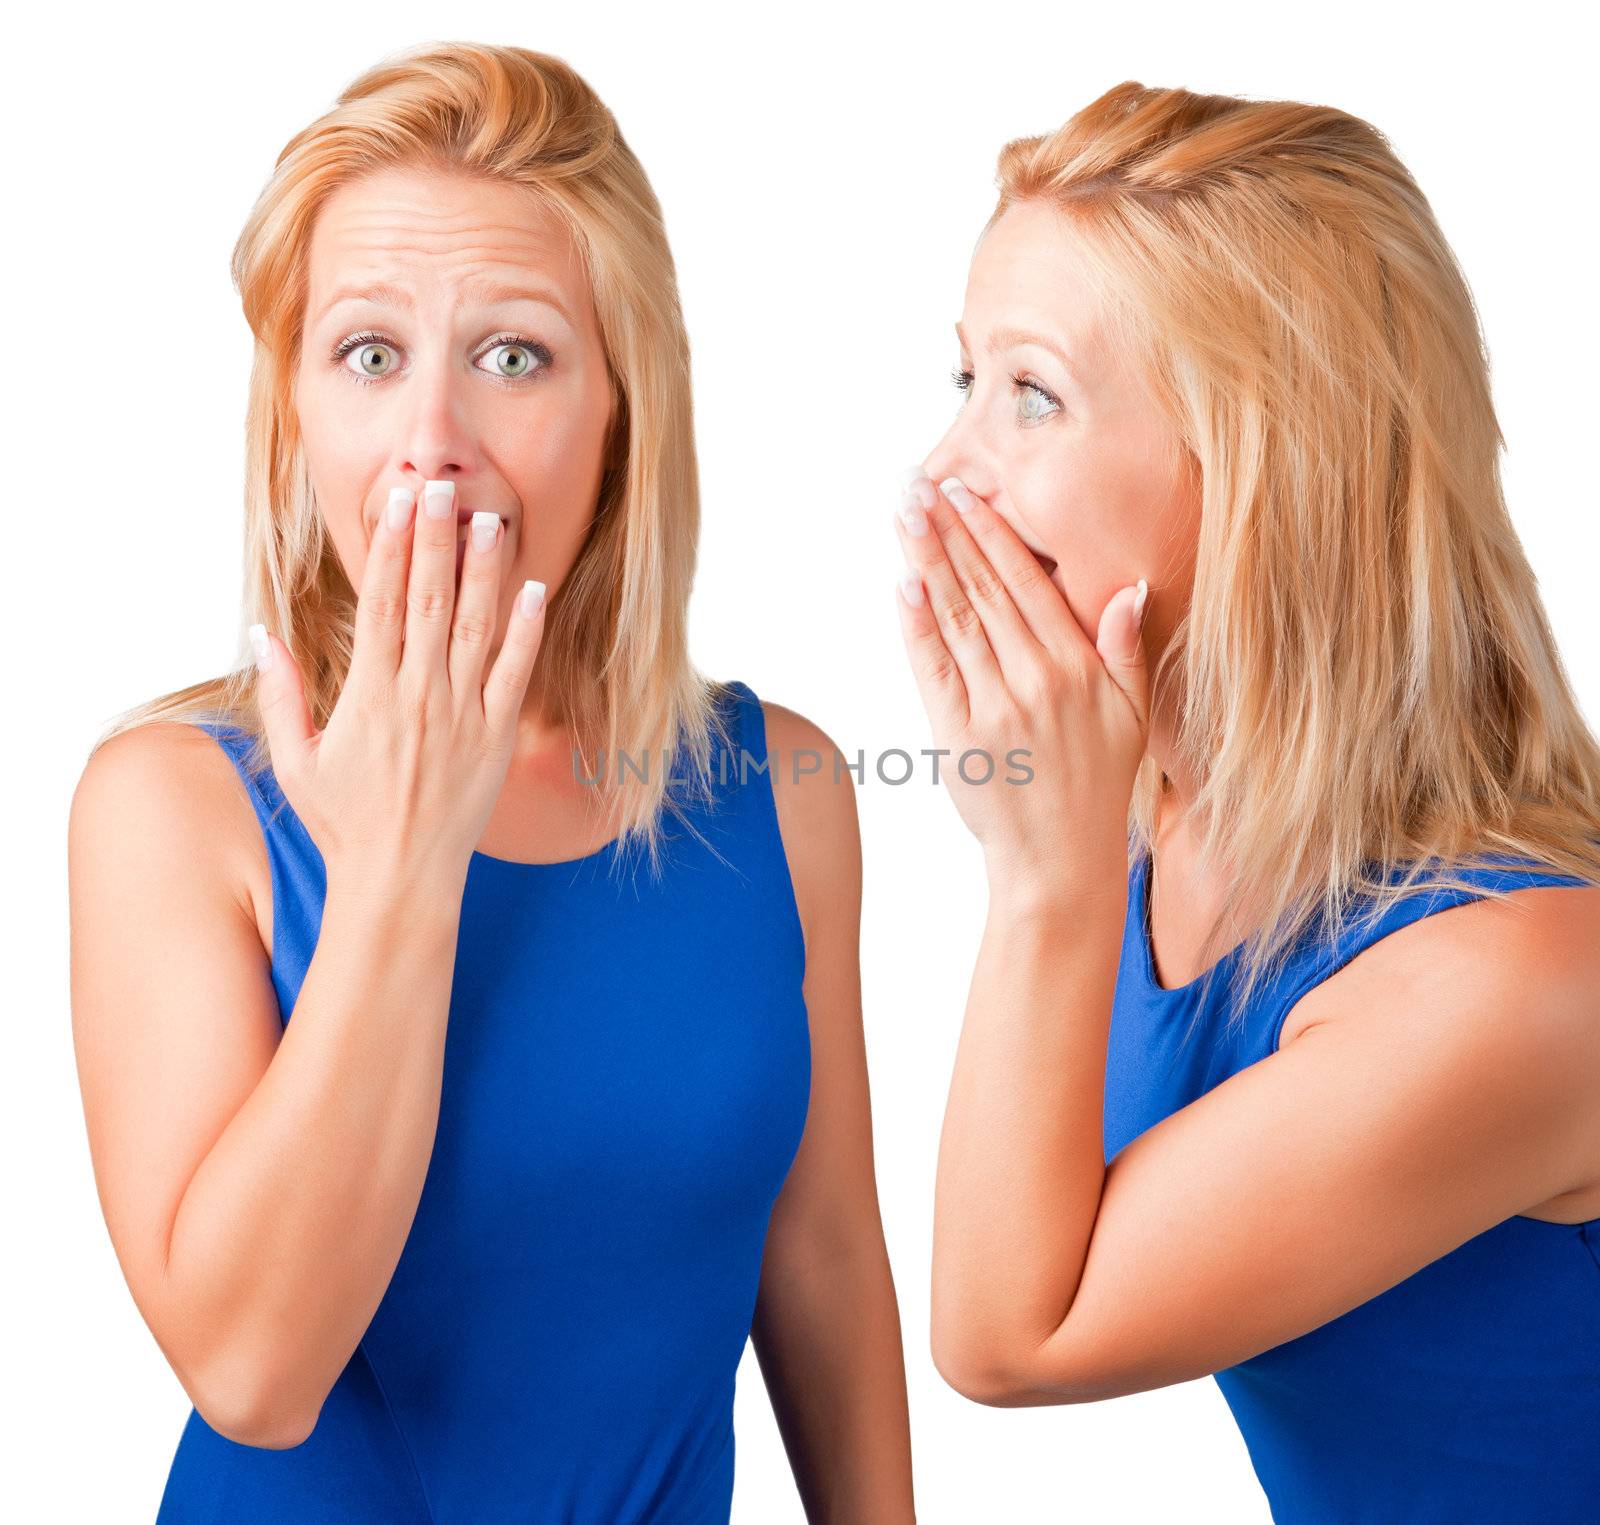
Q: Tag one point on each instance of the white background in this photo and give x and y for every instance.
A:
(824, 174)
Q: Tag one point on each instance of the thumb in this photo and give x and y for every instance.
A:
(281, 698)
(1121, 647)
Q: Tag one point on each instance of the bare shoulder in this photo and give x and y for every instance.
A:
(166, 792)
(1543, 942)
(815, 798)
(1509, 987)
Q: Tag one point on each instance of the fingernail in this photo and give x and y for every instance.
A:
(485, 526)
(401, 501)
(911, 587)
(1139, 603)
(911, 515)
(262, 647)
(919, 487)
(956, 491)
(531, 597)
(439, 498)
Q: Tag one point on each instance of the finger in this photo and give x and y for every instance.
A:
(281, 701)
(507, 685)
(1010, 636)
(959, 621)
(1036, 600)
(944, 695)
(477, 603)
(381, 605)
(431, 592)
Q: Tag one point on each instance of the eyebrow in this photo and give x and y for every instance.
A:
(1004, 338)
(385, 295)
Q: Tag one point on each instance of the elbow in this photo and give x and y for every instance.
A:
(976, 1365)
(251, 1410)
(1004, 1374)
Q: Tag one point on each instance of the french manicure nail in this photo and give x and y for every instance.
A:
(401, 502)
(957, 492)
(1138, 604)
(530, 598)
(912, 517)
(485, 526)
(911, 587)
(439, 498)
(261, 646)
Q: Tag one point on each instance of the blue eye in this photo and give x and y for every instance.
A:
(1029, 392)
(362, 344)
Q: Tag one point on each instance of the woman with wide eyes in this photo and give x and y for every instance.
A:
(1281, 1059)
(468, 1022)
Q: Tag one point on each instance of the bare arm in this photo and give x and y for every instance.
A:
(827, 1327)
(1448, 1088)
(258, 1189)
(1419, 1109)
(259, 1183)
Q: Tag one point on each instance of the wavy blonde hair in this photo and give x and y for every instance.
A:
(614, 663)
(1367, 676)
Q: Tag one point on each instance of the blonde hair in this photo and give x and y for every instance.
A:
(1367, 677)
(614, 665)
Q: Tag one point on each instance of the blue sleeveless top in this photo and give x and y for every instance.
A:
(627, 1074)
(1468, 1392)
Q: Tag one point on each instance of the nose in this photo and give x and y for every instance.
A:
(961, 453)
(437, 441)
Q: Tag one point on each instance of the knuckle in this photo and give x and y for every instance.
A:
(940, 667)
(385, 607)
(961, 617)
(507, 683)
(986, 587)
(428, 603)
(1036, 685)
(471, 629)
(1029, 576)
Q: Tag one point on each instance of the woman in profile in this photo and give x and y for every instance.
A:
(1281, 1059)
(452, 1152)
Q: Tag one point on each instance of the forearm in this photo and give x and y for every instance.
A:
(286, 1237)
(828, 1338)
(1021, 1155)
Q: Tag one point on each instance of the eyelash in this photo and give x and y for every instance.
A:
(963, 380)
(367, 336)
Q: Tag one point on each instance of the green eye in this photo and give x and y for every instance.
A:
(361, 346)
(536, 357)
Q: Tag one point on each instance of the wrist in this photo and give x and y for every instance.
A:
(1067, 882)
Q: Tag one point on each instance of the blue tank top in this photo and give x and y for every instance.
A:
(627, 1074)
(1468, 1392)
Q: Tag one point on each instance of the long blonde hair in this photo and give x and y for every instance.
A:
(614, 665)
(1366, 675)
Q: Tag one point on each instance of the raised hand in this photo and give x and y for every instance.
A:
(404, 777)
(1004, 667)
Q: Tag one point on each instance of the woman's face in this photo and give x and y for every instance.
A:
(450, 334)
(1057, 435)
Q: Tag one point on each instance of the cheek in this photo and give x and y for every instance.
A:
(560, 461)
(340, 464)
(1104, 507)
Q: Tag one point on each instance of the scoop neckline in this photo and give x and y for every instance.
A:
(1147, 942)
(605, 851)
